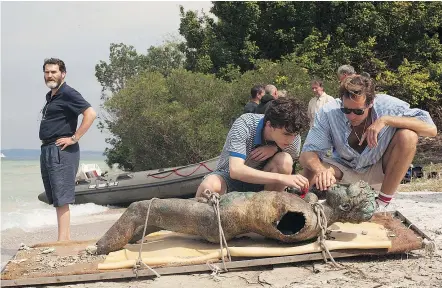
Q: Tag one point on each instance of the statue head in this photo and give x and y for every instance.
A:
(354, 203)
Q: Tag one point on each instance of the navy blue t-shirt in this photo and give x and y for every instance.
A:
(60, 114)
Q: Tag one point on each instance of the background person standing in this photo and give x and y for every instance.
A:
(271, 93)
(344, 71)
(321, 98)
(60, 152)
(256, 94)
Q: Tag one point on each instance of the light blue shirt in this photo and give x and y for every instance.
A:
(332, 129)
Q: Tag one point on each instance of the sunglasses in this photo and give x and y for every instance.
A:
(355, 111)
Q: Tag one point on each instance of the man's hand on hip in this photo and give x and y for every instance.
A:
(64, 142)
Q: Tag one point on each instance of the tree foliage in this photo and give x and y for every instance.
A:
(125, 63)
(184, 117)
(169, 121)
(376, 37)
(173, 105)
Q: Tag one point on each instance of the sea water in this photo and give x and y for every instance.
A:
(20, 208)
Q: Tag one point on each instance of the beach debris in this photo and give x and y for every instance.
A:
(23, 246)
(52, 264)
(47, 251)
(364, 232)
(18, 261)
(391, 234)
(91, 250)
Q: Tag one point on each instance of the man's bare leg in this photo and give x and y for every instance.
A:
(63, 219)
(397, 159)
(215, 183)
(281, 163)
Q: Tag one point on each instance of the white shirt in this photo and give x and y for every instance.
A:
(316, 104)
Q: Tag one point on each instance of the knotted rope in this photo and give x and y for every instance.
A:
(430, 247)
(213, 199)
(322, 222)
(139, 263)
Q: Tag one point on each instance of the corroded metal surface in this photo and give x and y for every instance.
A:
(277, 215)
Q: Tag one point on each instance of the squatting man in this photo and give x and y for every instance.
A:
(373, 136)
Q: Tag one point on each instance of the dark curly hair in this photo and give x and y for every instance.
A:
(55, 61)
(286, 113)
(356, 86)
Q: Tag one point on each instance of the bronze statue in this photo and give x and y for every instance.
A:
(277, 215)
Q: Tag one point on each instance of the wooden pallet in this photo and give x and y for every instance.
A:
(237, 264)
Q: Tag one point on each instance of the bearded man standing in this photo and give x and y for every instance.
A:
(60, 152)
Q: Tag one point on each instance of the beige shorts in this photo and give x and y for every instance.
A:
(374, 176)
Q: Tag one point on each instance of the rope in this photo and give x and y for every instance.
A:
(139, 261)
(428, 244)
(322, 222)
(215, 270)
(213, 199)
(176, 172)
(430, 247)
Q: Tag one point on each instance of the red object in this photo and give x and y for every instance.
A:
(176, 171)
(304, 192)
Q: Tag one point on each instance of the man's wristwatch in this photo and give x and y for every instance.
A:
(74, 138)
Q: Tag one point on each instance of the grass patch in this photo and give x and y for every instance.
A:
(420, 184)
(425, 183)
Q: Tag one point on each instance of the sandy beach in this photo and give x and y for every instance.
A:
(407, 270)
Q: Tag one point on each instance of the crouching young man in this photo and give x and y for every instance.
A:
(259, 152)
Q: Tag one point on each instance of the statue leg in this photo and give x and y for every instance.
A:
(124, 229)
(138, 235)
(178, 215)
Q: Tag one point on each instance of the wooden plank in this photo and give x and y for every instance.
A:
(128, 273)
(174, 270)
(410, 225)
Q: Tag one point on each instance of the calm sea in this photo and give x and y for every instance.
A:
(20, 208)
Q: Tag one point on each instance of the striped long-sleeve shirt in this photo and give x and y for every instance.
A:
(246, 135)
(332, 129)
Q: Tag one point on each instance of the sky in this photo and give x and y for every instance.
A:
(80, 34)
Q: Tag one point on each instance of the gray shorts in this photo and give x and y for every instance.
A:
(374, 176)
(236, 185)
(58, 170)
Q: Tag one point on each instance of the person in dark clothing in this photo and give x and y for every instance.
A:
(256, 92)
(60, 152)
(271, 93)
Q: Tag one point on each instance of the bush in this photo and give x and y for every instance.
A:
(163, 121)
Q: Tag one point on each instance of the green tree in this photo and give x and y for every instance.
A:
(164, 58)
(125, 63)
(168, 121)
(375, 37)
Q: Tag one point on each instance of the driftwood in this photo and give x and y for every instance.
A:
(277, 215)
